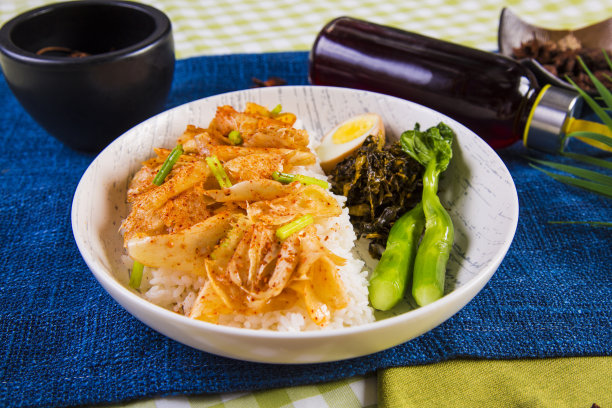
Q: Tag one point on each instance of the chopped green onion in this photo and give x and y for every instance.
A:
(217, 170)
(294, 226)
(170, 161)
(277, 109)
(287, 178)
(235, 137)
(136, 275)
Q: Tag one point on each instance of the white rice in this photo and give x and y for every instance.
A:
(177, 291)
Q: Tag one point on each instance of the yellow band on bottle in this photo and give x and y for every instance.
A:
(533, 108)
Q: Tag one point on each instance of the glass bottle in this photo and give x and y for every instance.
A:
(495, 96)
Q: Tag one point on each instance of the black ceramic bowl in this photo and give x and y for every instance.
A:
(87, 101)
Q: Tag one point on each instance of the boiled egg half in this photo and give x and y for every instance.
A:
(346, 137)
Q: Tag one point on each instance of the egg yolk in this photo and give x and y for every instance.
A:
(351, 130)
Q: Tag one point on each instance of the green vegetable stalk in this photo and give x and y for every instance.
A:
(394, 270)
(432, 149)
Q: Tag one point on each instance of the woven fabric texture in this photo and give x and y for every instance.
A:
(64, 341)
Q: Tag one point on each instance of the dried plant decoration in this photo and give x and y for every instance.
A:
(553, 54)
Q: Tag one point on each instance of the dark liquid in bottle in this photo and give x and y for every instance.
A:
(488, 93)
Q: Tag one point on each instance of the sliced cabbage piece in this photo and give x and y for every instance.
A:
(251, 191)
(185, 250)
(143, 217)
(310, 199)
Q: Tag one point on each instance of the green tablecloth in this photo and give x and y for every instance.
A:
(250, 26)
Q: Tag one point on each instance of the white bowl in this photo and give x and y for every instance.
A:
(477, 188)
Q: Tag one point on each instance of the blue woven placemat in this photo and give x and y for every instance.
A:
(64, 341)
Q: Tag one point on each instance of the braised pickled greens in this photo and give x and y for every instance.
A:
(381, 184)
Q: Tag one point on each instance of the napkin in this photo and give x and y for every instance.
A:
(64, 341)
(556, 382)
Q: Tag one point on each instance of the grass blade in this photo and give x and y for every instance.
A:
(607, 57)
(590, 223)
(605, 139)
(578, 172)
(601, 88)
(583, 158)
(606, 191)
(599, 111)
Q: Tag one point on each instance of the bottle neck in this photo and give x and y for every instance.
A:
(547, 120)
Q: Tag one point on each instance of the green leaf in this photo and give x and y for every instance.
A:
(576, 182)
(578, 172)
(434, 143)
(607, 140)
(583, 158)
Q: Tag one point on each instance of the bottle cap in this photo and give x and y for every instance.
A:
(548, 118)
